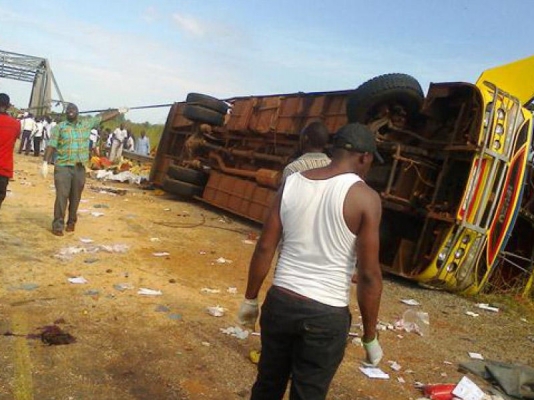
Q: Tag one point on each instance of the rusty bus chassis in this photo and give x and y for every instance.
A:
(456, 178)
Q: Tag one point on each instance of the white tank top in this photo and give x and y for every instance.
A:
(318, 255)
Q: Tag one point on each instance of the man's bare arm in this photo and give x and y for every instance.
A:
(265, 250)
(369, 289)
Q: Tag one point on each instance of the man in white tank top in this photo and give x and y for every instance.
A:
(328, 219)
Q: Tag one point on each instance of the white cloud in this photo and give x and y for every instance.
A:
(189, 24)
(150, 15)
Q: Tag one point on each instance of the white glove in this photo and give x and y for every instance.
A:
(373, 352)
(123, 110)
(248, 313)
(44, 169)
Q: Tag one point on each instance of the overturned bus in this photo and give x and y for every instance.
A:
(454, 175)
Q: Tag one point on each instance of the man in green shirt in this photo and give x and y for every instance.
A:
(70, 141)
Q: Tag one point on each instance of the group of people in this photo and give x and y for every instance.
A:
(35, 133)
(325, 223)
(118, 140)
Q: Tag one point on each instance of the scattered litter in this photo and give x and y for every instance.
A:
(149, 292)
(86, 240)
(162, 308)
(523, 319)
(207, 344)
(471, 314)
(108, 190)
(121, 176)
(155, 239)
(91, 292)
(78, 280)
(487, 307)
(475, 356)
(394, 366)
(209, 290)
(222, 260)
(216, 311)
(175, 317)
(97, 214)
(232, 290)
(235, 331)
(468, 390)
(447, 362)
(374, 373)
(202, 252)
(357, 341)
(248, 241)
(414, 321)
(400, 379)
(115, 248)
(161, 254)
(166, 209)
(437, 391)
(410, 302)
(121, 287)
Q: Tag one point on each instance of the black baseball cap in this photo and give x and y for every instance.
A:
(359, 138)
(355, 137)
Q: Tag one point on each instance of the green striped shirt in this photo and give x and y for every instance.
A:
(71, 141)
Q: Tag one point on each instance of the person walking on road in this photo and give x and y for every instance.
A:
(329, 220)
(313, 140)
(70, 140)
(9, 132)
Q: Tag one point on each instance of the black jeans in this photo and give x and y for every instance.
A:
(301, 339)
(25, 144)
(4, 181)
(69, 182)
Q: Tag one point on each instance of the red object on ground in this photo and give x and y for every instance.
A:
(440, 391)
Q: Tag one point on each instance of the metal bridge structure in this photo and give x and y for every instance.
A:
(35, 70)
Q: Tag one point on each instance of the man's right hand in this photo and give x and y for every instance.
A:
(248, 313)
(44, 169)
(373, 351)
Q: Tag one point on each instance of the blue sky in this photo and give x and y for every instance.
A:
(124, 53)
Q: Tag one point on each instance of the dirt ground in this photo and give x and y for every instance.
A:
(130, 346)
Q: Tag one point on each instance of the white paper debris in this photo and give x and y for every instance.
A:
(209, 290)
(235, 331)
(467, 390)
(471, 314)
(97, 214)
(216, 311)
(400, 379)
(78, 280)
(86, 240)
(394, 366)
(155, 239)
(222, 260)
(487, 307)
(475, 356)
(232, 290)
(149, 292)
(410, 302)
(248, 241)
(160, 254)
(374, 373)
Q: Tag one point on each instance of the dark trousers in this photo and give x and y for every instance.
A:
(301, 339)
(69, 182)
(4, 181)
(25, 142)
(36, 146)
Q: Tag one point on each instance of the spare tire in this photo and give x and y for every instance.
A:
(187, 175)
(388, 90)
(207, 101)
(180, 188)
(198, 113)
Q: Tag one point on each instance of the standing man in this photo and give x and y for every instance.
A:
(9, 132)
(28, 126)
(70, 139)
(117, 143)
(143, 145)
(313, 140)
(329, 220)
